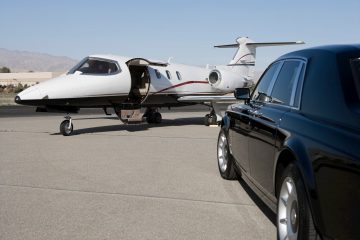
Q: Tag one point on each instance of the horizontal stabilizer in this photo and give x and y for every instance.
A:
(268, 44)
(236, 45)
(260, 44)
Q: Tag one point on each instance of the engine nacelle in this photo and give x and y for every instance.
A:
(226, 80)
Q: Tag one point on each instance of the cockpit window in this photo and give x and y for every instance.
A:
(96, 66)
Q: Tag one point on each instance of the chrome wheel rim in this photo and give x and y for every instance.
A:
(222, 152)
(288, 211)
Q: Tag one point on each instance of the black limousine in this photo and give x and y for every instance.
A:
(295, 140)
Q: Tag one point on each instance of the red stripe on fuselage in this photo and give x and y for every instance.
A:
(179, 85)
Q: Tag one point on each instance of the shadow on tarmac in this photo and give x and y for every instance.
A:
(259, 203)
(136, 127)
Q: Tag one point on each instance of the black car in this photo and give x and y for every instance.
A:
(296, 142)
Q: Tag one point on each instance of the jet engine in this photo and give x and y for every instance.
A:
(226, 80)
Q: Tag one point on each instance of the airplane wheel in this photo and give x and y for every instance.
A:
(206, 119)
(210, 119)
(65, 128)
(150, 118)
(157, 117)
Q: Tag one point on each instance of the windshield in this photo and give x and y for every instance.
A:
(95, 66)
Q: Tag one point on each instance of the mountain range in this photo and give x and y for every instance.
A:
(23, 61)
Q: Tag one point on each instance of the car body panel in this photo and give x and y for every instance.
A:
(321, 134)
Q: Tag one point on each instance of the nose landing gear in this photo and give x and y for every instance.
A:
(66, 126)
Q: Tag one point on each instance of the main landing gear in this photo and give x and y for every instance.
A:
(152, 115)
(210, 119)
(66, 126)
(214, 117)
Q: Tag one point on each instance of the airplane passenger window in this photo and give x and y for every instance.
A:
(168, 74)
(158, 74)
(178, 75)
(96, 66)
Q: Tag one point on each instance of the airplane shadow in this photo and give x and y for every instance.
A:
(136, 126)
(259, 203)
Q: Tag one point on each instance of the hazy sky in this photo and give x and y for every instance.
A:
(183, 29)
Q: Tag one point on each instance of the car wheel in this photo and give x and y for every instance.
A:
(294, 220)
(225, 160)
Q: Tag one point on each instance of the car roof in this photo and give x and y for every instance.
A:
(324, 89)
(327, 49)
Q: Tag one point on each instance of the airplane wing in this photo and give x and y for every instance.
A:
(210, 99)
(216, 102)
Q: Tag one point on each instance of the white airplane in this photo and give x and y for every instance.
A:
(129, 84)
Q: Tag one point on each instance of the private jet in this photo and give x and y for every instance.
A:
(129, 84)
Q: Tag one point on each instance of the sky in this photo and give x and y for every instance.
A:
(186, 30)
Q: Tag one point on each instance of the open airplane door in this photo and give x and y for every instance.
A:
(140, 87)
(140, 78)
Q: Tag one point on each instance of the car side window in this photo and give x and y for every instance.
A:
(296, 102)
(262, 89)
(284, 86)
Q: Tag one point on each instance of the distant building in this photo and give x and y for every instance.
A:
(29, 78)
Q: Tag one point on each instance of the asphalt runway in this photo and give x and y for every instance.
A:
(116, 181)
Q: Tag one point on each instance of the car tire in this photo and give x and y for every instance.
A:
(294, 219)
(225, 160)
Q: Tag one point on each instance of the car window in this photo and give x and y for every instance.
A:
(296, 101)
(284, 85)
(263, 87)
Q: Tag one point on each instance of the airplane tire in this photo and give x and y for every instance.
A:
(65, 129)
(210, 119)
(206, 120)
(157, 117)
(150, 118)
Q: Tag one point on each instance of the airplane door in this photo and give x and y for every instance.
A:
(140, 83)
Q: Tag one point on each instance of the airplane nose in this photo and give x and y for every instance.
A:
(29, 96)
(18, 100)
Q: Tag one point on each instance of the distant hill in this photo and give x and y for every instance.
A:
(22, 61)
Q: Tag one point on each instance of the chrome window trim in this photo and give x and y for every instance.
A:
(301, 83)
(293, 92)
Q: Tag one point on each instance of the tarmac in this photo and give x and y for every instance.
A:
(114, 181)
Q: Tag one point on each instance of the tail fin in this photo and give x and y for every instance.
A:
(244, 59)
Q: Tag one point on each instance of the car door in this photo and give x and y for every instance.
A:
(240, 121)
(265, 116)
